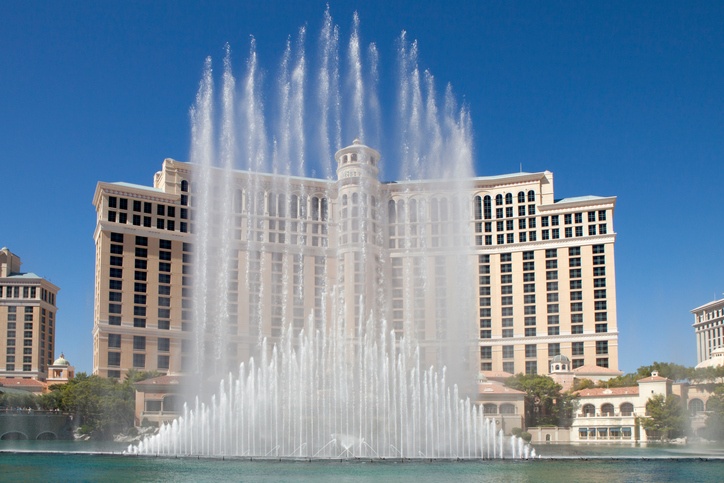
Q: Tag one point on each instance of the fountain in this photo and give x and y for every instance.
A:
(335, 370)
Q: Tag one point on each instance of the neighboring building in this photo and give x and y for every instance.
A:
(544, 271)
(158, 400)
(504, 406)
(709, 328)
(27, 321)
(609, 415)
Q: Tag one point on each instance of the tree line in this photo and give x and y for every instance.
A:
(102, 407)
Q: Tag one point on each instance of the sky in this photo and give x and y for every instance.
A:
(616, 98)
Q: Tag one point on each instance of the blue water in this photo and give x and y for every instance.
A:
(60, 461)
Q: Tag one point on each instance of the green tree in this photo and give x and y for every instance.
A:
(545, 403)
(103, 406)
(579, 384)
(667, 417)
(714, 429)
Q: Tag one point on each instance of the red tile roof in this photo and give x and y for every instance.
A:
(606, 391)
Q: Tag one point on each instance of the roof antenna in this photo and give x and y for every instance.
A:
(521, 167)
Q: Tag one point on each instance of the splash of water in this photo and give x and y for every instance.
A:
(333, 382)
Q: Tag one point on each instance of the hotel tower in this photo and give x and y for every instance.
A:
(526, 276)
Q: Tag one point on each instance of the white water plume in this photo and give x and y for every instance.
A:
(328, 378)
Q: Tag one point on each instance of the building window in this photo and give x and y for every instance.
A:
(163, 362)
(602, 362)
(530, 332)
(600, 328)
(602, 347)
(114, 359)
(577, 348)
(531, 367)
(531, 350)
(509, 367)
(554, 349)
(139, 361)
(139, 343)
(507, 333)
(486, 353)
(114, 341)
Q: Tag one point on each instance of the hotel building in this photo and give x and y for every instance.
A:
(540, 272)
(709, 329)
(27, 321)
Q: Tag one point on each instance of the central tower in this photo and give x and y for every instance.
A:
(360, 240)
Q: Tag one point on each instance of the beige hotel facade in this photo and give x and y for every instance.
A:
(541, 271)
(27, 321)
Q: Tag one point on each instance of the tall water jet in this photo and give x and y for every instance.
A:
(335, 312)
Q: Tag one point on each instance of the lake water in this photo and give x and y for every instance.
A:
(69, 461)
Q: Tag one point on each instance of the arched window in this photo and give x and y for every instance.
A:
(455, 209)
(589, 410)
(282, 206)
(184, 186)
(499, 200)
(490, 408)
(478, 208)
(434, 213)
(487, 207)
(260, 203)
(271, 201)
(696, 406)
(323, 207)
(293, 206)
(531, 196)
(344, 200)
(443, 209)
(607, 409)
(238, 197)
(303, 207)
(401, 211)
(315, 208)
(509, 199)
(391, 212)
(521, 197)
(507, 408)
(413, 211)
(627, 409)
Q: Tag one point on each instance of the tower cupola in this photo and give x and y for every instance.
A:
(357, 161)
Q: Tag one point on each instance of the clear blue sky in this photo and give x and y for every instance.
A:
(616, 98)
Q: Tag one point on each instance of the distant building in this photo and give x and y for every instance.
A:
(709, 329)
(60, 372)
(543, 271)
(27, 321)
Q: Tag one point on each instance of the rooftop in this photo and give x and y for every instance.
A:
(609, 391)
